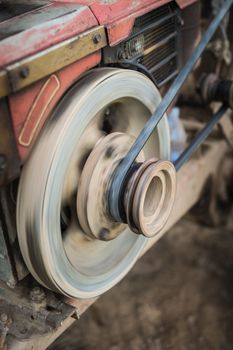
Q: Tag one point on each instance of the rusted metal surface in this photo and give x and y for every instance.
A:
(31, 107)
(41, 342)
(36, 67)
(44, 24)
(119, 25)
(109, 11)
(11, 9)
(36, 32)
(119, 16)
(33, 27)
(39, 28)
(9, 159)
(40, 98)
(29, 316)
(36, 17)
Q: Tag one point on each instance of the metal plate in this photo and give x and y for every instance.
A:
(33, 68)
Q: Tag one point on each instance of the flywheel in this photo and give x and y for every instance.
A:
(67, 238)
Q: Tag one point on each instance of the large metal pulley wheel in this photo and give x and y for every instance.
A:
(69, 241)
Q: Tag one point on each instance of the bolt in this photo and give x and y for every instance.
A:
(96, 38)
(24, 72)
(37, 294)
(109, 152)
(103, 234)
(4, 317)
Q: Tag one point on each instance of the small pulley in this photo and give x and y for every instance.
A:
(147, 198)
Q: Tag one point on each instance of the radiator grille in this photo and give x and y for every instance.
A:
(161, 42)
(154, 43)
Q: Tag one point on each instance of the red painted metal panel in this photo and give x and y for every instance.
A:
(110, 11)
(41, 36)
(107, 11)
(31, 107)
(118, 15)
(121, 29)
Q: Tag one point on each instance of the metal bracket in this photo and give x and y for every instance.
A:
(33, 68)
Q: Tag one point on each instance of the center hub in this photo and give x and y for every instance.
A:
(150, 196)
(147, 199)
(92, 198)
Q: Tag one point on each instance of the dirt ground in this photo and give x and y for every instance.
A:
(179, 296)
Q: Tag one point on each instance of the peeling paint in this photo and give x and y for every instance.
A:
(44, 35)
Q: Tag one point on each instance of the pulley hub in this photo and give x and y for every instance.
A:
(150, 196)
(147, 199)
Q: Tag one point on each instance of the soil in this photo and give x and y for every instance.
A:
(179, 296)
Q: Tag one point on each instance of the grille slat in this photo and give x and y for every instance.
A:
(161, 38)
(158, 35)
(164, 73)
(163, 62)
(152, 16)
(153, 58)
